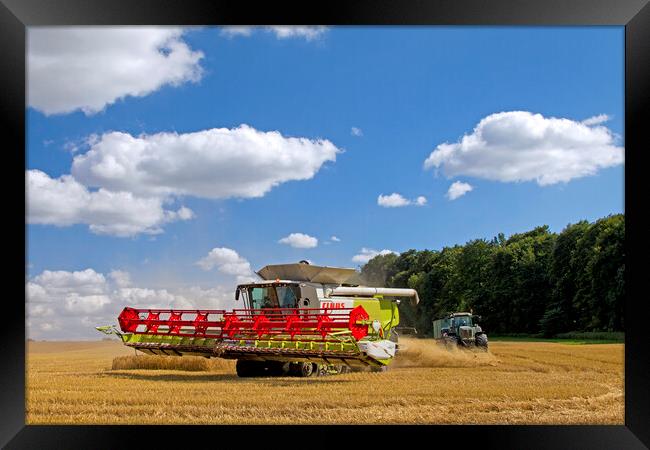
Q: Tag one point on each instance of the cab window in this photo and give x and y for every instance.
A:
(288, 296)
(274, 296)
(263, 297)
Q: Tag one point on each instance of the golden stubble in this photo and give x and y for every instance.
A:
(514, 383)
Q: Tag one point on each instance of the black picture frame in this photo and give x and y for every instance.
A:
(16, 15)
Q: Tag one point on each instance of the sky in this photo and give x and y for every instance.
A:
(165, 165)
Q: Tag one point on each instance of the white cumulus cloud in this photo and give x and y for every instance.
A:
(64, 201)
(292, 31)
(86, 304)
(356, 131)
(595, 120)
(216, 163)
(392, 201)
(396, 200)
(88, 68)
(233, 31)
(50, 284)
(308, 33)
(299, 240)
(54, 294)
(522, 146)
(458, 189)
(134, 176)
(121, 278)
(69, 305)
(366, 254)
(228, 261)
(335, 239)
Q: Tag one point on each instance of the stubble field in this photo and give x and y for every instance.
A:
(515, 383)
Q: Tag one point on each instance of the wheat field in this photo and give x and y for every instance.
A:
(515, 383)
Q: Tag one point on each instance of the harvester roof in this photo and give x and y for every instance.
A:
(311, 273)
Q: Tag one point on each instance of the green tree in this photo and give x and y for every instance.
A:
(564, 272)
(472, 275)
(530, 282)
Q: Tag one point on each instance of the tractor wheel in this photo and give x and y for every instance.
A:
(451, 342)
(246, 368)
(482, 342)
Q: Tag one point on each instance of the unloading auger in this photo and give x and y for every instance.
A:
(300, 320)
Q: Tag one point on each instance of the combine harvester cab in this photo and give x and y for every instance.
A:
(300, 320)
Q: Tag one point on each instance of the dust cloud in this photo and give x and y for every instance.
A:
(428, 353)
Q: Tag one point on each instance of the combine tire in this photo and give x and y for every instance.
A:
(344, 368)
(273, 369)
(482, 342)
(247, 369)
(303, 369)
(307, 369)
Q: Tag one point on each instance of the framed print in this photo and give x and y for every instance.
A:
(416, 216)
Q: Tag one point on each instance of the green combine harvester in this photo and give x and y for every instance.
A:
(299, 320)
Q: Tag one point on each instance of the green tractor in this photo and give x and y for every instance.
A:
(460, 329)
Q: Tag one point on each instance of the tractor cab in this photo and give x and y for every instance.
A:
(451, 324)
(461, 320)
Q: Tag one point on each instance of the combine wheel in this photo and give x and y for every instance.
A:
(246, 368)
(273, 369)
(379, 369)
(303, 369)
(307, 369)
(482, 342)
(343, 368)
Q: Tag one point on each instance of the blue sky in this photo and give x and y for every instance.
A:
(407, 89)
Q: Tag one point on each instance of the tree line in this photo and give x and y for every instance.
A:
(537, 282)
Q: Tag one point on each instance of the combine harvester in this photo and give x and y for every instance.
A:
(300, 320)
